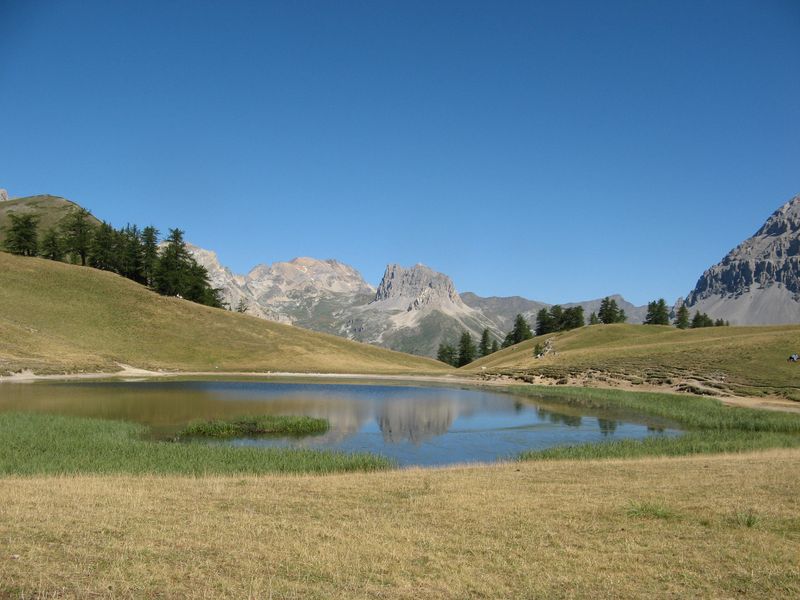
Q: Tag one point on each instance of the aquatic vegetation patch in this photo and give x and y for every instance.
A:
(256, 425)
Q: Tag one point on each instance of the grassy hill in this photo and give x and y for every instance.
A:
(741, 360)
(50, 211)
(57, 317)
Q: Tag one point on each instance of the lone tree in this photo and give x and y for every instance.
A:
(520, 332)
(611, 313)
(657, 313)
(22, 237)
(682, 317)
(446, 354)
(466, 350)
(484, 348)
(77, 234)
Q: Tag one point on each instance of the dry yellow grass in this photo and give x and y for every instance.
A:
(723, 526)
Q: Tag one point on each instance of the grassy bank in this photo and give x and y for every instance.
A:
(748, 361)
(256, 425)
(705, 526)
(712, 426)
(34, 444)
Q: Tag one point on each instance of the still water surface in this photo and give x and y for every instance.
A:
(413, 425)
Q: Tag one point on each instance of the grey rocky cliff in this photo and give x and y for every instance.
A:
(420, 286)
(758, 282)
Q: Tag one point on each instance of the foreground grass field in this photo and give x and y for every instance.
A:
(63, 318)
(749, 361)
(706, 526)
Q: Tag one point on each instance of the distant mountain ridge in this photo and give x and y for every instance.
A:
(413, 309)
(758, 282)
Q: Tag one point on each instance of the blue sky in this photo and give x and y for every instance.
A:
(558, 151)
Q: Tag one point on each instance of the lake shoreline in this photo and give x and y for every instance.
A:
(128, 371)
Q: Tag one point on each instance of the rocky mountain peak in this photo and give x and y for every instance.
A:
(767, 262)
(418, 287)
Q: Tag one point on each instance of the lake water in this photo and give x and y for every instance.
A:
(415, 425)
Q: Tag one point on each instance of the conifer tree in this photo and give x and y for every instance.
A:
(520, 332)
(657, 313)
(682, 317)
(593, 319)
(22, 236)
(610, 313)
(149, 254)
(466, 350)
(446, 354)
(102, 248)
(51, 246)
(495, 347)
(77, 234)
(484, 346)
(701, 320)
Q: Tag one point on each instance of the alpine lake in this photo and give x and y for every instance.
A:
(410, 423)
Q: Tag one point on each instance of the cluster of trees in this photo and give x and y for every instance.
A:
(700, 319)
(658, 313)
(609, 313)
(131, 252)
(466, 351)
(559, 319)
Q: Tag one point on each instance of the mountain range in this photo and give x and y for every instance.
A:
(414, 309)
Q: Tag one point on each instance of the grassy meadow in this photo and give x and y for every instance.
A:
(60, 318)
(748, 361)
(704, 526)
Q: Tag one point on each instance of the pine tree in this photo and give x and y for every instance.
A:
(22, 236)
(657, 313)
(130, 253)
(51, 246)
(484, 346)
(466, 350)
(149, 255)
(77, 234)
(495, 347)
(544, 322)
(446, 354)
(609, 312)
(682, 317)
(593, 319)
(102, 248)
(520, 332)
(572, 319)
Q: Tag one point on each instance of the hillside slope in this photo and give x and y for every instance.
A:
(50, 210)
(57, 317)
(715, 360)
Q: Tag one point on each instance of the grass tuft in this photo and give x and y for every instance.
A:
(651, 510)
(256, 425)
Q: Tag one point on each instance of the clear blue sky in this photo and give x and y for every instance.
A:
(558, 151)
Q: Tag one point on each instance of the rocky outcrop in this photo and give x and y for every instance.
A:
(420, 286)
(3, 195)
(758, 282)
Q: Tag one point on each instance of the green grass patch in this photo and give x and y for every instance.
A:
(37, 444)
(711, 426)
(255, 426)
(651, 510)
